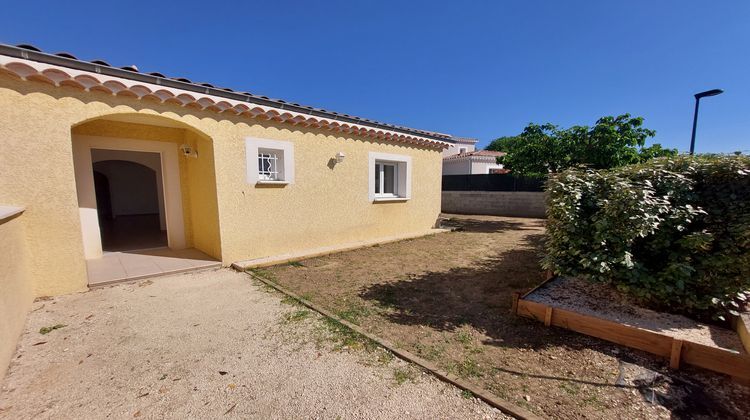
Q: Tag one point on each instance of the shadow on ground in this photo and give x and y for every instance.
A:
(479, 296)
(474, 225)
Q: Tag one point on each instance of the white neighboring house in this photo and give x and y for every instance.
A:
(462, 158)
(460, 145)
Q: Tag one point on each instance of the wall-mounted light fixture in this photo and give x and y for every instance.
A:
(188, 151)
(340, 157)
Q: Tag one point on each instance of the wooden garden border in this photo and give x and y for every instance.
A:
(742, 325)
(676, 350)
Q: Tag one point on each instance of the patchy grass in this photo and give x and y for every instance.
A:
(263, 273)
(354, 312)
(429, 351)
(288, 300)
(467, 394)
(342, 337)
(464, 337)
(47, 330)
(385, 357)
(403, 375)
(593, 401)
(570, 388)
(500, 389)
(468, 368)
(298, 315)
(295, 264)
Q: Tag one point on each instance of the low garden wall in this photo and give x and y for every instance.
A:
(494, 195)
(15, 290)
(496, 203)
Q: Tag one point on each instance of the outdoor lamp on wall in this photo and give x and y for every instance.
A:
(340, 157)
(188, 151)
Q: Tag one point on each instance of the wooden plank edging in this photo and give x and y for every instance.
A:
(718, 360)
(676, 356)
(677, 351)
(502, 405)
(742, 325)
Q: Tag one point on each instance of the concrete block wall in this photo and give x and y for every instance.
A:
(495, 203)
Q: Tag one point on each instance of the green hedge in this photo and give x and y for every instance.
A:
(674, 233)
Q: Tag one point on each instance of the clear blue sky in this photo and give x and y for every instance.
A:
(470, 68)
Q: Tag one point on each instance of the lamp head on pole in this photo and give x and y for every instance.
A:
(698, 96)
(712, 92)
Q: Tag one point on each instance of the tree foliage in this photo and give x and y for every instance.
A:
(611, 142)
(672, 232)
(503, 144)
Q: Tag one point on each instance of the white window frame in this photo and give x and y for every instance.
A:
(284, 152)
(380, 166)
(275, 159)
(402, 175)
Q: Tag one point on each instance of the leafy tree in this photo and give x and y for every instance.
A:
(503, 144)
(612, 142)
(536, 151)
(654, 151)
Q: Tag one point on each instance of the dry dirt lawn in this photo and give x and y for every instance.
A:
(447, 298)
(214, 344)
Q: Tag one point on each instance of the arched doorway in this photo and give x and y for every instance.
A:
(141, 199)
(128, 199)
(161, 156)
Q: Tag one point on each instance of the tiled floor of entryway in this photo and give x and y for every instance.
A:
(120, 266)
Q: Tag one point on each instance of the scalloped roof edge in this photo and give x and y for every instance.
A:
(64, 59)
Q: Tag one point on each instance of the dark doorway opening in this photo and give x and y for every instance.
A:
(129, 199)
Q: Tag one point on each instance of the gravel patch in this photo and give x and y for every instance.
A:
(602, 301)
(210, 344)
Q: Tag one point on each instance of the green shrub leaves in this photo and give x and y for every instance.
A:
(673, 232)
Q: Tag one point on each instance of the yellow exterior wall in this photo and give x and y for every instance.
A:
(202, 208)
(225, 216)
(197, 180)
(15, 288)
(324, 206)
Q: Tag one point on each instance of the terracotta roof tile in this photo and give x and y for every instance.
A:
(28, 63)
(133, 68)
(484, 153)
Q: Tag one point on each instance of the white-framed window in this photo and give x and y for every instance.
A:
(386, 179)
(390, 177)
(268, 164)
(269, 161)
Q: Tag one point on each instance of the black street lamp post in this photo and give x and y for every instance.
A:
(698, 96)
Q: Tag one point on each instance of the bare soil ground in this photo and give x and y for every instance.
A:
(210, 345)
(447, 298)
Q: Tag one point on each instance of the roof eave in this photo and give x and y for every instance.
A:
(31, 55)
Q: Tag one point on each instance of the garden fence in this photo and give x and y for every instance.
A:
(492, 182)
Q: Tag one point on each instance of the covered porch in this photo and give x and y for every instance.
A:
(147, 198)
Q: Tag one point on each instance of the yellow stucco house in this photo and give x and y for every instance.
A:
(99, 159)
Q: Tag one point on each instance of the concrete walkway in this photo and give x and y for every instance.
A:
(115, 267)
(211, 344)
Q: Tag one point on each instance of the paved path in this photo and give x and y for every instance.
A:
(207, 345)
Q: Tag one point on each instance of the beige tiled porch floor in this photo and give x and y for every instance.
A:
(138, 264)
